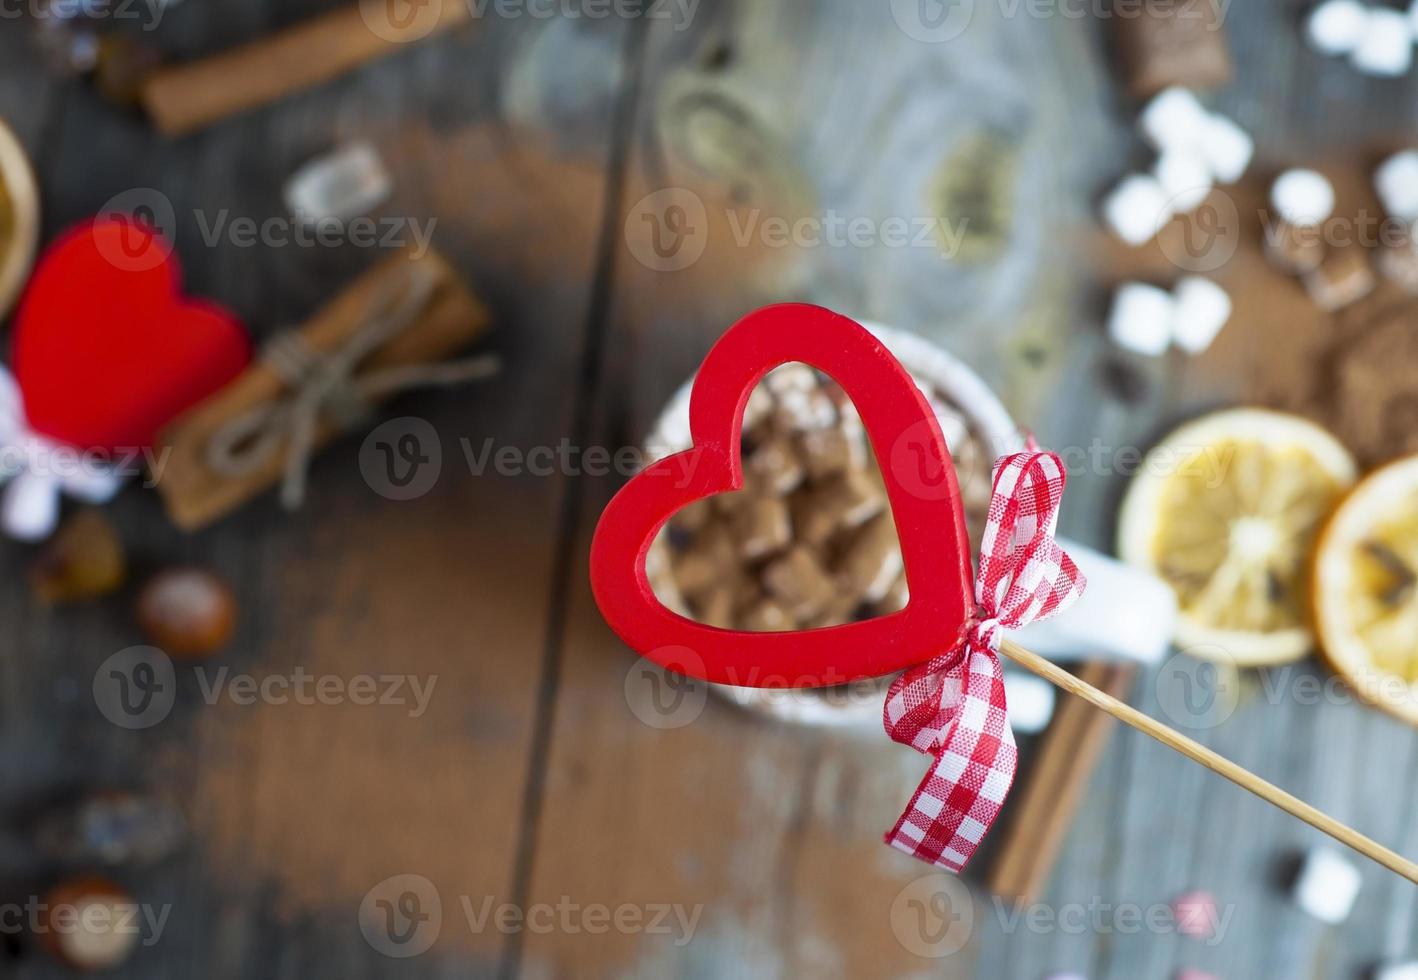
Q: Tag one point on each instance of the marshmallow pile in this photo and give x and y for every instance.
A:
(1147, 319)
(1378, 41)
(1196, 149)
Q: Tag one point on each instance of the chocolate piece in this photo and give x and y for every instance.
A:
(762, 528)
(1344, 278)
(773, 468)
(716, 608)
(895, 599)
(800, 411)
(840, 610)
(1173, 42)
(1296, 249)
(871, 563)
(791, 377)
(766, 616)
(800, 583)
(705, 562)
(692, 519)
(827, 452)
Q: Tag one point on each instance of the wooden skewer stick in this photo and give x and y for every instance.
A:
(1216, 763)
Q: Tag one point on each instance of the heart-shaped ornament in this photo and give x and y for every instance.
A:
(920, 486)
(107, 350)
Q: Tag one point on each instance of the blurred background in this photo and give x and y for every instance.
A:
(300, 672)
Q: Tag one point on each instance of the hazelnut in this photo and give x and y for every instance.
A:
(89, 923)
(187, 612)
(84, 561)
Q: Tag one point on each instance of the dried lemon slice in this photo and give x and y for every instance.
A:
(1365, 588)
(1225, 510)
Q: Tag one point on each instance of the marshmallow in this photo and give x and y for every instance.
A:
(1337, 26)
(1137, 208)
(30, 508)
(1227, 148)
(1173, 120)
(1031, 702)
(1386, 47)
(1397, 971)
(1202, 309)
(1396, 182)
(1327, 886)
(1141, 318)
(1302, 197)
(344, 184)
(1185, 179)
(1195, 913)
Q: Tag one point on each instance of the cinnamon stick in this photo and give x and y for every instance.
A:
(185, 98)
(195, 495)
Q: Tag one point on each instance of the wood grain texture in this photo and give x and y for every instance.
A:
(532, 775)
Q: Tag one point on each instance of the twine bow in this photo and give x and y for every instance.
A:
(330, 388)
(953, 706)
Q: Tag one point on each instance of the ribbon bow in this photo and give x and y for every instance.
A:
(953, 706)
(38, 469)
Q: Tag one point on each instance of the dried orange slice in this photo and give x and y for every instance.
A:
(1365, 588)
(1226, 510)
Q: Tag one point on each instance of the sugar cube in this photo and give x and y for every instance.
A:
(1336, 26)
(1137, 208)
(1201, 310)
(1227, 148)
(1174, 119)
(1327, 886)
(1302, 197)
(1396, 182)
(1141, 318)
(1385, 48)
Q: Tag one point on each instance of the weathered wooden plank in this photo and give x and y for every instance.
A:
(298, 810)
(791, 111)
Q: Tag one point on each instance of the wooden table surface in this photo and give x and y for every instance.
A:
(538, 778)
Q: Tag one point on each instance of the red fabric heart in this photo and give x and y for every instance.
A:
(920, 484)
(106, 350)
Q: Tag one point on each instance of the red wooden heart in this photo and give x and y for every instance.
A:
(928, 513)
(106, 350)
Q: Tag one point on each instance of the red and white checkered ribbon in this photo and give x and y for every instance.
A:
(953, 706)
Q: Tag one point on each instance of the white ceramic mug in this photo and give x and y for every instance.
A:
(1124, 614)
